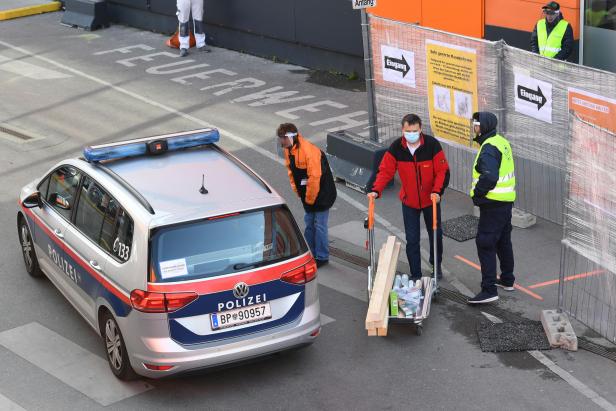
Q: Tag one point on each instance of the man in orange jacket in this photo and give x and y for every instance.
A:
(312, 180)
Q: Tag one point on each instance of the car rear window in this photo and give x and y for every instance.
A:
(225, 244)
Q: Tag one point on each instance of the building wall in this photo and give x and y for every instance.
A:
(510, 20)
(322, 34)
(456, 16)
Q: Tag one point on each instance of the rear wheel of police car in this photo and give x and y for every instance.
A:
(117, 356)
(27, 249)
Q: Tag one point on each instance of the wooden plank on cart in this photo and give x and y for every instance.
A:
(383, 281)
(372, 327)
(382, 327)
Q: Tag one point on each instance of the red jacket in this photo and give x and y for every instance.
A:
(421, 174)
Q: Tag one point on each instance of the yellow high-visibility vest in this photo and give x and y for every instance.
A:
(550, 46)
(505, 187)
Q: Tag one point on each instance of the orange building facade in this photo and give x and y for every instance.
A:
(510, 20)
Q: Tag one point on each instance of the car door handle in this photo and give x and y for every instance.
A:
(95, 265)
(58, 233)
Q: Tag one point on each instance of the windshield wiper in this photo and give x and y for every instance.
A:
(242, 266)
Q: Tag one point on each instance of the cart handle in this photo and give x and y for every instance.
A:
(433, 197)
(370, 212)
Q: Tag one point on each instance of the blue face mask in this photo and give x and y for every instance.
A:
(411, 136)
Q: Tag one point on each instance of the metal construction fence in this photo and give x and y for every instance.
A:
(589, 229)
(539, 140)
(444, 78)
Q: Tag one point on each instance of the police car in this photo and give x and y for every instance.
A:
(176, 252)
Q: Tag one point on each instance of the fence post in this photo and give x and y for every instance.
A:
(500, 44)
(561, 279)
(368, 74)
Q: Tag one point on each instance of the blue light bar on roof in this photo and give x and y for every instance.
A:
(139, 147)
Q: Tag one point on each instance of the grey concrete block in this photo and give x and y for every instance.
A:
(522, 219)
(558, 329)
(476, 211)
(519, 218)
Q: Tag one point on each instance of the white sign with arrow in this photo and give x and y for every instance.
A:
(533, 97)
(398, 65)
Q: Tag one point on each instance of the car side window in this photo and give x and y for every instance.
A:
(101, 219)
(92, 210)
(124, 236)
(43, 186)
(62, 189)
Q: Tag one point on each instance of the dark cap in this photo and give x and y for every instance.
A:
(551, 6)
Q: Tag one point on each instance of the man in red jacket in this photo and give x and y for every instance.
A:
(424, 174)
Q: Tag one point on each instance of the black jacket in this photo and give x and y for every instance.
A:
(488, 163)
(566, 47)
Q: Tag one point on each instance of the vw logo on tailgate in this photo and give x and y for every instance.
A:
(240, 290)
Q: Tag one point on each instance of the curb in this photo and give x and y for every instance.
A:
(30, 10)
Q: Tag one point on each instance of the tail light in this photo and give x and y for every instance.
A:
(154, 367)
(301, 275)
(150, 302)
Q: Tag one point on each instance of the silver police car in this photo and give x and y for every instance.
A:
(176, 252)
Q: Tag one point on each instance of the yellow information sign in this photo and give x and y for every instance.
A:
(452, 90)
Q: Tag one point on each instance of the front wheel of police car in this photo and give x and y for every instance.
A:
(117, 356)
(27, 249)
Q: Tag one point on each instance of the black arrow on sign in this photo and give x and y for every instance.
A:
(532, 96)
(397, 65)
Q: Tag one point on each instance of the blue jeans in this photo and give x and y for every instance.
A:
(316, 234)
(411, 228)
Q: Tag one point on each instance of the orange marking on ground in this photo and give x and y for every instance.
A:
(472, 264)
(529, 292)
(569, 278)
(517, 287)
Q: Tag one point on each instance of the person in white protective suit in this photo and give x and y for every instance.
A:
(184, 9)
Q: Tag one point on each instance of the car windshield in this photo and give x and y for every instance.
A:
(226, 244)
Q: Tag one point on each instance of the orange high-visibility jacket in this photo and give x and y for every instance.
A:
(310, 175)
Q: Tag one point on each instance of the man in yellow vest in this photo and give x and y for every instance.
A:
(493, 191)
(553, 35)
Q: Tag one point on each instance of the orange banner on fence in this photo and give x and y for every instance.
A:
(595, 109)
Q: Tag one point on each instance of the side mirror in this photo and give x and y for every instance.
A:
(33, 200)
(58, 201)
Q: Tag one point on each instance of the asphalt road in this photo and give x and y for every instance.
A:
(65, 88)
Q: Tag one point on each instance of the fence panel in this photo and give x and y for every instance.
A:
(542, 141)
(539, 142)
(394, 100)
(589, 244)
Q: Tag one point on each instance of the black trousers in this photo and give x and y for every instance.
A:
(494, 239)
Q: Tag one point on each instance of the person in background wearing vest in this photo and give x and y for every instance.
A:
(493, 191)
(312, 180)
(184, 9)
(553, 35)
(424, 174)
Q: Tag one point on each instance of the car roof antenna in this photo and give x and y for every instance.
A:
(203, 190)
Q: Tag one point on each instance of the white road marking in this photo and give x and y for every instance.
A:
(8, 405)
(4, 127)
(71, 364)
(29, 70)
(578, 385)
(311, 108)
(348, 121)
(574, 382)
(326, 320)
(227, 134)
